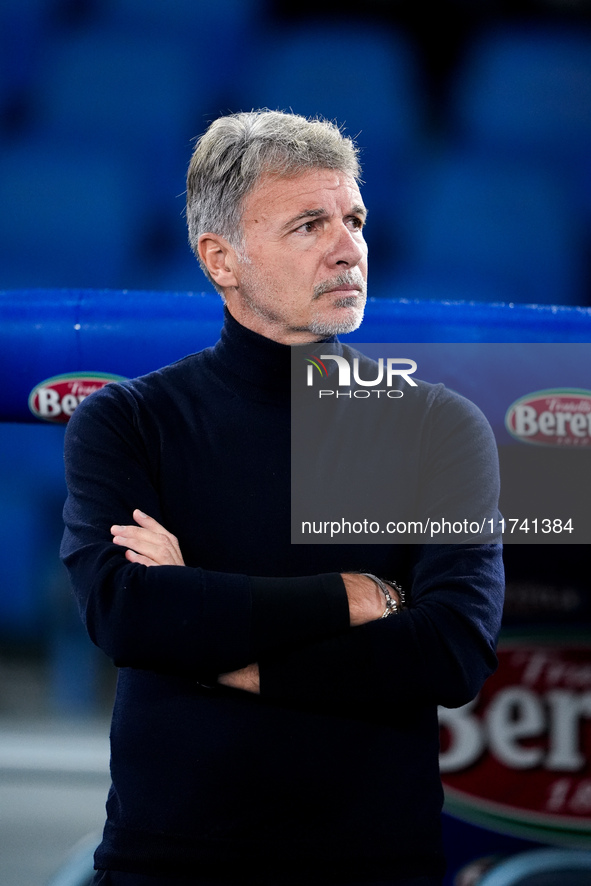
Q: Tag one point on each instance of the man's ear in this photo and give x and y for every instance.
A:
(219, 258)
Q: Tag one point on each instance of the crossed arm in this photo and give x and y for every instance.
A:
(150, 544)
(198, 621)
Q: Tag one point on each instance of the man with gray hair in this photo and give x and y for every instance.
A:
(240, 164)
(275, 721)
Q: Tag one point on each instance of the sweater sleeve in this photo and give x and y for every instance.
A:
(168, 618)
(441, 648)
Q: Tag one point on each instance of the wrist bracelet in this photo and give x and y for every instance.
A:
(392, 606)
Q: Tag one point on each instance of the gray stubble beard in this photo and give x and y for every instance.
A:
(321, 327)
(341, 326)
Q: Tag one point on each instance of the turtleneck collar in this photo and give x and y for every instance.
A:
(259, 366)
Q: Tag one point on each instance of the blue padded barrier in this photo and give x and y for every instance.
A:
(44, 333)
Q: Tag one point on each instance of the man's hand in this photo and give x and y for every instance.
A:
(366, 601)
(246, 679)
(148, 543)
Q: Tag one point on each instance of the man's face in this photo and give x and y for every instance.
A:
(304, 273)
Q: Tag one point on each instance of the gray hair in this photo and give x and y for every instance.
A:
(235, 152)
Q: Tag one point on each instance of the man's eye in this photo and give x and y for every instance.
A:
(307, 227)
(356, 222)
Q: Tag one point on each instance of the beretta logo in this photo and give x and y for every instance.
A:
(518, 758)
(55, 399)
(558, 417)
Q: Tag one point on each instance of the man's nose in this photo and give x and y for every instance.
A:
(348, 248)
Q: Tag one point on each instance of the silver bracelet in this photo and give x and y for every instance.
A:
(392, 607)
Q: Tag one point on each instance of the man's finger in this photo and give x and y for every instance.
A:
(139, 550)
(148, 522)
(150, 546)
(133, 557)
(136, 533)
(150, 540)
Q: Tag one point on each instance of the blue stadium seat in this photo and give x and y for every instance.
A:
(67, 218)
(175, 19)
(525, 91)
(483, 226)
(137, 96)
(22, 37)
(201, 23)
(212, 36)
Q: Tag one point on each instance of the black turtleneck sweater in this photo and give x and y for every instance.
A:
(332, 770)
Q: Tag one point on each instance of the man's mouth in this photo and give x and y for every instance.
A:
(347, 287)
(343, 284)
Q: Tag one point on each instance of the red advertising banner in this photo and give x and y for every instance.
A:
(518, 758)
